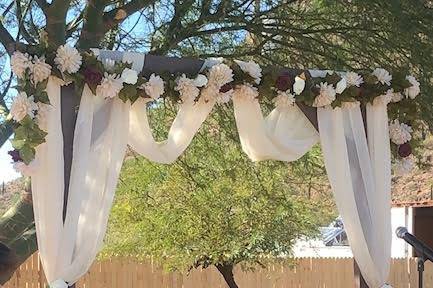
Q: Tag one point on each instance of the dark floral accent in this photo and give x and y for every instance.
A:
(283, 82)
(15, 155)
(226, 88)
(404, 150)
(92, 76)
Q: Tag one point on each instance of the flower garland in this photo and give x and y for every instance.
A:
(219, 83)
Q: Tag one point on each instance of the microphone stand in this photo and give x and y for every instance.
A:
(420, 261)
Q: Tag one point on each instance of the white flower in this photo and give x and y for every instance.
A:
(404, 166)
(187, 89)
(219, 75)
(393, 96)
(252, 68)
(110, 86)
(350, 104)
(382, 76)
(24, 169)
(223, 98)
(246, 92)
(414, 90)
(42, 116)
(399, 133)
(154, 88)
(23, 106)
(299, 85)
(200, 80)
(341, 86)
(129, 76)
(284, 100)
(19, 63)
(353, 79)
(326, 95)
(40, 70)
(68, 59)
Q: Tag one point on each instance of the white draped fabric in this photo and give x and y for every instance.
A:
(285, 134)
(67, 250)
(359, 173)
(360, 177)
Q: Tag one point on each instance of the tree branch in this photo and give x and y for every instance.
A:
(118, 15)
(43, 5)
(7, 40)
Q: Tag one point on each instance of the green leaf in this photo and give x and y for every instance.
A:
(18, 143)
(27, 153)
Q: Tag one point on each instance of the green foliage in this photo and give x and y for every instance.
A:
(214, 205)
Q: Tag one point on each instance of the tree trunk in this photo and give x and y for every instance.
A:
(17, 237)
(227, 271)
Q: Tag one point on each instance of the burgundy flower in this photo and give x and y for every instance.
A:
(15, 155)
(92, 76)
(226, 88)
(404, 150)
(283, 82)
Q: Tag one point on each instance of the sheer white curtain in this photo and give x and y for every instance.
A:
(188, 120)
(67, 250)
(360, 178)
(285, 134)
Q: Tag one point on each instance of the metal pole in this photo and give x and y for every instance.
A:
(420, 261)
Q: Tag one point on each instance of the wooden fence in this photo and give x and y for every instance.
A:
(308, 273)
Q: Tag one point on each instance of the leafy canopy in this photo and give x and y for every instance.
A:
(213, 206)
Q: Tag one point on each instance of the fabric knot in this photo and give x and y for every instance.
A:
(59, 283)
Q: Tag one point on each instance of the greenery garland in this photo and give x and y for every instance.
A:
(84, 68)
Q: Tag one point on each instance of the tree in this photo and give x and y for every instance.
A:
(214, 206)
(316, 33)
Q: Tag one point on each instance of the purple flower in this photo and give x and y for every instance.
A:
(404, 150)
(92, 76)
(226, 88)
(283, 82)
(15, 155)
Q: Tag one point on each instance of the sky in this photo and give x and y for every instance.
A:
(7, 172)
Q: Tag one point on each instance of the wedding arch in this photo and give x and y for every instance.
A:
(345, 111)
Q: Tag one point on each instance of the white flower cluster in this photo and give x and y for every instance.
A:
(39, 70)
(252, 68)
(189, 88)
(382, 76)
(129, 76)
(399, 133)
(154, 88)
(404, 166)
(110, 86)
(19, 63)
(68, 59)
(284, 100)
(326, 96)
(219, 75)
(23, 106)
(414, 90)
(353, 79)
